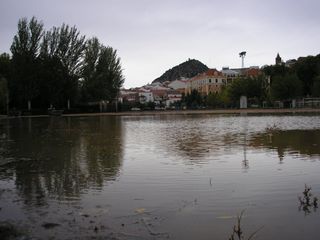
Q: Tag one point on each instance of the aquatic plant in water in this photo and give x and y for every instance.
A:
(306, 201)
(238, 232)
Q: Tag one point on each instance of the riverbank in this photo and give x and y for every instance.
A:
(191, 112)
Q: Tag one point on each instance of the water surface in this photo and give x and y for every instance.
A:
(159, 177)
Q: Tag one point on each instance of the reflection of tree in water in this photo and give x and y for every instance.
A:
(61, 157)
(101, 149)
(304, 142)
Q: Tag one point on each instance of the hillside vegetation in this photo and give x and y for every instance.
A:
(186, 69)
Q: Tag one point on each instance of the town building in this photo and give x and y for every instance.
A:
(173, 96)
(230, 74)
(178, 85)
(130, 95)
(145, 96)
(210, 81)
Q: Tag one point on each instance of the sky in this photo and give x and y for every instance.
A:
(152, 36)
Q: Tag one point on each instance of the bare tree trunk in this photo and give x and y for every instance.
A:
(68, 104)
(29, 105)
(8, 103)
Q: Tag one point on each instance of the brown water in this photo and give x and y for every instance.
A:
(159, 177)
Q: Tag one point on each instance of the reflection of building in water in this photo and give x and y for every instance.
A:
(198, 143)
(304, 142)
(245, 160)
(61, 157)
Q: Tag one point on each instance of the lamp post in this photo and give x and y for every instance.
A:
(242, 55)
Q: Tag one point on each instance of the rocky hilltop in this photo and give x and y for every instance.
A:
(187, 69)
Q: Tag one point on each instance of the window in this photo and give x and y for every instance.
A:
(216, 80)
(209, 80)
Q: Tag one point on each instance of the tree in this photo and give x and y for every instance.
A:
(67, 44)
(25, 52)
(307, 69)
(53, 84)
(224, 98)
(316, 87)
(62, 52)
(5, 65)
(250, 87)
(193, 100)
(212, 100)
(3, 95)
(275, 70)
(101, 72)
(286, 87)
(5, 74)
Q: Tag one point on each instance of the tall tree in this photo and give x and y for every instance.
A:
(5, 74)
(3, 95)
(101, 72)
(250, 87)
(62, 52)
(67, 44)
(5, 65)
(25, 52)
(307, 69)
(286, 87)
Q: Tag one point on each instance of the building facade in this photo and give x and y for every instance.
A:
(208, 82)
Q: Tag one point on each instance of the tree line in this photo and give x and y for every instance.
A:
(57, 67)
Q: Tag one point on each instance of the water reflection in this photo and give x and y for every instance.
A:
(175, 169)
(198, 140)
(60, 157)
(302, 142)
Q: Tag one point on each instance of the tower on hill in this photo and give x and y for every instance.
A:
(278, 60)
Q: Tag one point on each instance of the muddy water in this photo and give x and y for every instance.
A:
(159, 177)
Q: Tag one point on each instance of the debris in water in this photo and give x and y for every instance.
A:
(140, 210)
(50, 225)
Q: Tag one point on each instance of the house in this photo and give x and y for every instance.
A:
(253, 72)
(178, 85)
(173, 96)
(210, 81)
(159, 94)
(130, 95)
(145, 96)
(230, 74)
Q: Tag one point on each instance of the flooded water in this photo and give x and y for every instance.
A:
(159, 177)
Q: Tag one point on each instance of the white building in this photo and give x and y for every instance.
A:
(179, 84)
(145, 96)
(173, 97)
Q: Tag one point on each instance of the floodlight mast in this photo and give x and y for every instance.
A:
(242, 55)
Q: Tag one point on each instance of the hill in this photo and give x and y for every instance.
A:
(186, 69)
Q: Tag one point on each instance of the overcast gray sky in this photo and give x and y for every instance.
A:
(152, 36)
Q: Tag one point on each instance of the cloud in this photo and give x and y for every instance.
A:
(152, 36)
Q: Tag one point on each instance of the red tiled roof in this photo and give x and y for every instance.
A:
(211, 72)
(253, 72)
